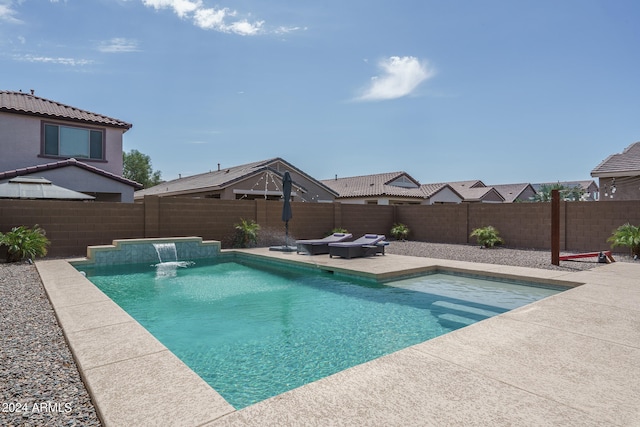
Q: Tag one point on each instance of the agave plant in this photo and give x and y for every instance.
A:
(400, 231)
(246, 233)
(626, 235)
(24, 243)
(487, 237)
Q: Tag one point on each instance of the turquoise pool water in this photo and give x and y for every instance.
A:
(253, 333)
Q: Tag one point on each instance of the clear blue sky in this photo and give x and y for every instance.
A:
(502, 91)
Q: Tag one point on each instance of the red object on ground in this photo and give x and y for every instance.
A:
(589, 255)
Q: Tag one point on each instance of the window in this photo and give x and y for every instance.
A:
(66, 141)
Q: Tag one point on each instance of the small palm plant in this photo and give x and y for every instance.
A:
(24, 243)
(627, 235)
(246, 234)
(487, 236)
(400, 231)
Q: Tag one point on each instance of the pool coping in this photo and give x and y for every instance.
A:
(112, 349)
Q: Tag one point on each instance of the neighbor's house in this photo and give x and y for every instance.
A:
(619, 175)
(72, 148)
(476, 191)
(589, 187)
(513, 193)
(257, 180)
(392, 188)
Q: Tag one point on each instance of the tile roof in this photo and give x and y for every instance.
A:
(511, 192)
(477, 194)
(374, 185)
(64, 163)
(217, 180)
(472, 190)
(462, 185)
(24, 103)
(626, 163)
(430, 190)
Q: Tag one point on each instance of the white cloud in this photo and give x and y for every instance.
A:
(287, 30)
(7, 13)
(118, 45)
(208, 18)
(181, 7)
(400, 77)
(245, 28)
(52, 60)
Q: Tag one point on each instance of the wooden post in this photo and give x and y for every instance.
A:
(555, 227)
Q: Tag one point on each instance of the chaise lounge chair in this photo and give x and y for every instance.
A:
(369, 244)
(321, 246)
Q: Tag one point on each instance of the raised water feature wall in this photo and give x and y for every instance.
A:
(135, 251)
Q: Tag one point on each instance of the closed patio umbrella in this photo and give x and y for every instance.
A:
(287, 214)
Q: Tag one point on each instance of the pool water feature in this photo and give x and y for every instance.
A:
(253, 333)
(167, 252)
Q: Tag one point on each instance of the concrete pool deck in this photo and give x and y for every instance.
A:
(570, 359)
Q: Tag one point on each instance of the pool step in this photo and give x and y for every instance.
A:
(459, 315)
(454, 321)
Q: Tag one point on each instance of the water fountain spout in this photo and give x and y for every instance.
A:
(168, 260)
(166, 252)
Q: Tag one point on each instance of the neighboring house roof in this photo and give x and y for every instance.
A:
(512, 192)
(431, 190)
(479, 194)
(376, 185)
(38, 188)
(219, 179)
(626, 163)
(29, 104)
(474, 183)
(476, 191)
(65, 163)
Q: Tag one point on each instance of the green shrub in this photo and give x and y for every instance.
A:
(246, 234)
(487, 237)
(337, 230)
(400, 231)
(626, 235)
(24, 243)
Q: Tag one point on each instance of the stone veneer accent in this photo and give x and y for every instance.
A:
(135, 251)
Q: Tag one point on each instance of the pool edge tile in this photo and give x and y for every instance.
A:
(160, 390)
(145, 399)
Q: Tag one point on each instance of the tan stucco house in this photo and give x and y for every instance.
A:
(73, 148)
(257, 180)
(619, 175)
(391, 188)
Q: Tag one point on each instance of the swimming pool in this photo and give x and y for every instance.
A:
(253, 333)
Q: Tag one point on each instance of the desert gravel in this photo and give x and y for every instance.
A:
(40, 384)
(496, 255)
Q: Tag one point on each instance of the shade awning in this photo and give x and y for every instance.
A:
(38, 188)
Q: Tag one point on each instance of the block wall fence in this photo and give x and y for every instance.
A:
(72, 226)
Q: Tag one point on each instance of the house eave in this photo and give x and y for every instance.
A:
(615, 174)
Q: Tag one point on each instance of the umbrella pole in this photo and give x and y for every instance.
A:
(286, 234)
